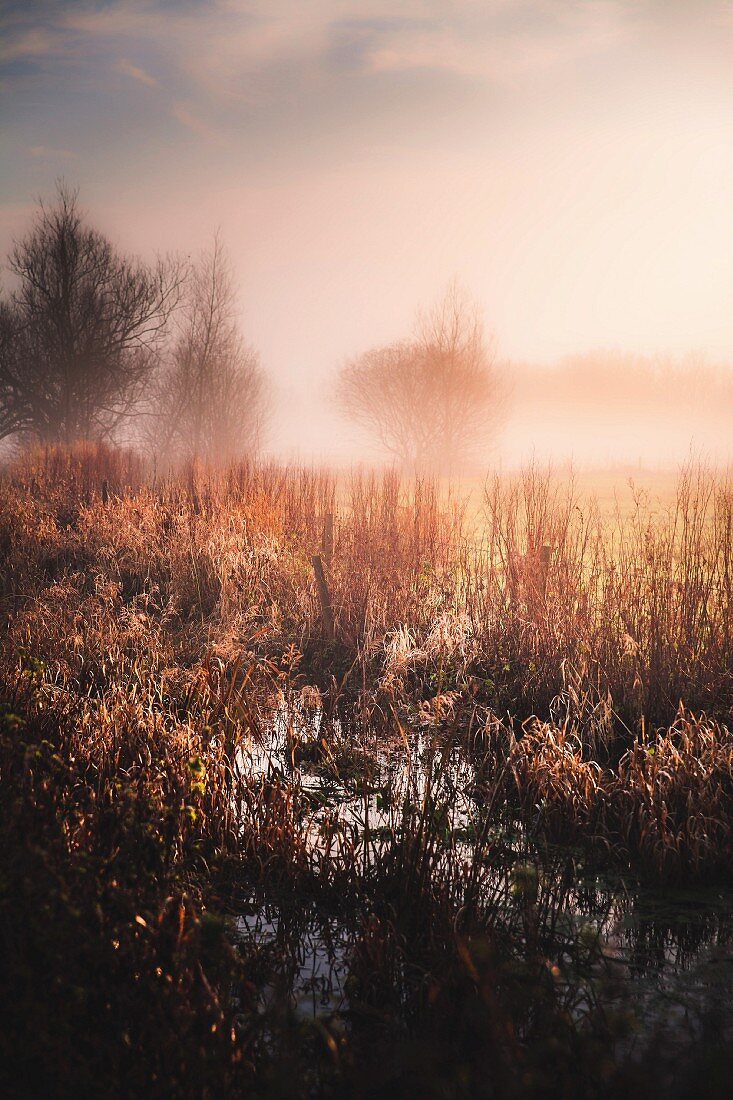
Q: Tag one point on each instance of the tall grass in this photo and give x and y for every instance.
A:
(156, 630)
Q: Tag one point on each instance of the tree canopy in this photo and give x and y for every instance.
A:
(211, 397)
(80, 330)
(431, 400)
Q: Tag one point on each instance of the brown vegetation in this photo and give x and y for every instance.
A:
(167, 688)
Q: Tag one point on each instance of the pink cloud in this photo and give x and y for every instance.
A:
(136, 73)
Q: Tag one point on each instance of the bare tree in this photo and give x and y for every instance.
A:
(14, 409)
(212, 398)
(431, 400)
(80, 330)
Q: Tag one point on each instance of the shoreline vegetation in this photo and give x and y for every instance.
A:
(446, 751)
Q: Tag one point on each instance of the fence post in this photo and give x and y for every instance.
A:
(527, 576)
(328, 539)
(536, 567)
(324, 598)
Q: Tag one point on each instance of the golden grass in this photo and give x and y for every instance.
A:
(156, 626)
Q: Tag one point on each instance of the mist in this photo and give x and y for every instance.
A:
(568, 164)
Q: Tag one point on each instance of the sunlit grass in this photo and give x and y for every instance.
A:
(159, 632)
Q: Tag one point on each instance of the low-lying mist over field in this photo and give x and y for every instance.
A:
(600, 409)
(566, 163)
(96, 344)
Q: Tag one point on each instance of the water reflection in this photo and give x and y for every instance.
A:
(665, 955)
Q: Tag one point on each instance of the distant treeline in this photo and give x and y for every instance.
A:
(617, 406)
(99, 346)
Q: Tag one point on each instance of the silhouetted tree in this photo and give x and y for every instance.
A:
(212, 396)
(430, 400)
(14, 413)
(79, 333)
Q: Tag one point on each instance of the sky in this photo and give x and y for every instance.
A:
(569, 161)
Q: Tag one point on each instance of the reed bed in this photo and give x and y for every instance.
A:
(155, 627)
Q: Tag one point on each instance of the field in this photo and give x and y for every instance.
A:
(456, 822)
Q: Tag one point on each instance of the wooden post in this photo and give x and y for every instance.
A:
(105, 492)
(324, 598)
(192, 490)
(328, 539)
(535, 566)
(526, 576)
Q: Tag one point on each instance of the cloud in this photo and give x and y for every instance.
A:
(136, 73)
(224, 65)
(27, 44)
(502, 44)
(222, 46)
(45, 152)
(187, 117)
